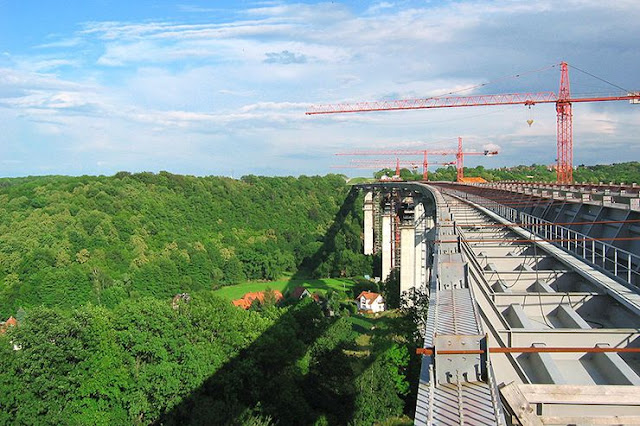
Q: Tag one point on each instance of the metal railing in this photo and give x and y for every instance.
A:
(612, 260)
(607, 257)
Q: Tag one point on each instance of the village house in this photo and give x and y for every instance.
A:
(369, 301)
(300, 293)
(247, 300)
(179, 299)
(11, 322)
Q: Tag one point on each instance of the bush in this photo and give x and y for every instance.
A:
(362, 284)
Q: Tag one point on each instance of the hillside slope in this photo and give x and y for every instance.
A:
(65, 241)
(622, 172)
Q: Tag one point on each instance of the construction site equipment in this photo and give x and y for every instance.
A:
(563, 101)
(459, 153)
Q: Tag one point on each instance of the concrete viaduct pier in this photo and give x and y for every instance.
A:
(533, 298)
(402, 239)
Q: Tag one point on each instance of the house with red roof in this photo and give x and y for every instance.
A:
(247, 300)
(369, 301)
(11, 322)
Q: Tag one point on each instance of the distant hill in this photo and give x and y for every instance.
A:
(617, 173)
(65, 241)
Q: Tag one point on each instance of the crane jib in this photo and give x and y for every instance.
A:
(439, 102)
(527, 99)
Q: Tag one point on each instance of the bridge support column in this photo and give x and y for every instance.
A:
(420, 275)
(386, 243)
(407, 258)
(368, 223)
(429, 235)
(429, 222)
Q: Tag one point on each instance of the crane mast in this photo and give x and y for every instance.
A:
(564, 167)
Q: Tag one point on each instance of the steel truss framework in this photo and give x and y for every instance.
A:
(564, 330)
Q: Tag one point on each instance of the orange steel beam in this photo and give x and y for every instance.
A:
(550, 240)
(543, 349)
(499, 225)
(514, 203)
(520, 203)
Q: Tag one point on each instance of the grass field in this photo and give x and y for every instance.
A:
(368, 327)
(381, 323)
(320, 285)
(362, 324)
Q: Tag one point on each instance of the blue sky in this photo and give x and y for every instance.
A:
(221, 87)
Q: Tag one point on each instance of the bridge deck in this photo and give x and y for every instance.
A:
(532, 293)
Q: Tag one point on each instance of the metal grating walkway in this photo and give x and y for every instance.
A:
(456, 312)
(451, 404)
(454, 389)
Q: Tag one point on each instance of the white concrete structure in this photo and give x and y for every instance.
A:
(370, 302)
(429, 234)
(368, 223)
(407, 258)
(386, 245)
(420, 246)
(570, 325)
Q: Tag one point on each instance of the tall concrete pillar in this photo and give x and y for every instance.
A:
(429, 222)
(420, 276)
(368, 223)
(386, 244)
(407, 257)
(429, 235)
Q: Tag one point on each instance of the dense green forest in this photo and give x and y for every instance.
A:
(89, 266)
(617, 173)
(65, 241)
(204, 362)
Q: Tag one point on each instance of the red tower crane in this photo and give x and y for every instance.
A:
(459, 153)
(386, 164)
(563, 101)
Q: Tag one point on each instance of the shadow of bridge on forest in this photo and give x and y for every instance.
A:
(312, 263)
(271, 376)
(283, 375)
(265, 379)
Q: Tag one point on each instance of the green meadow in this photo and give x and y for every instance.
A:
(323, 285)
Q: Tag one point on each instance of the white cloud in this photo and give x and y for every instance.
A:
(140, 94)
(52, 64)
(48, 100)
(245, 93)
(63, 43)
(377, 7)
(196, 9)
(11, 78)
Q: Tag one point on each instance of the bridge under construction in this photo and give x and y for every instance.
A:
(532, 292)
